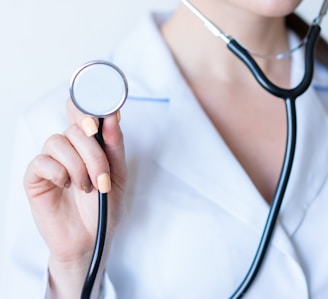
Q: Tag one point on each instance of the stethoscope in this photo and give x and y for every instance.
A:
(100, 88)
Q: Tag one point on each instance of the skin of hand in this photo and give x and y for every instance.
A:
(61, 184)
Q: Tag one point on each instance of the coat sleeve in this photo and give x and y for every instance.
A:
(25, 253)
(106, 292)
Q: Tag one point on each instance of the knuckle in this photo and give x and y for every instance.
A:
(99, 160)
(53, 141)
(60, 177)
(38, 161)
(115, 139)
(80, 169)
(73, 130)
(55, 138)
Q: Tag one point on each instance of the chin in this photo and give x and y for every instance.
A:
(274, 8)
(267, 8)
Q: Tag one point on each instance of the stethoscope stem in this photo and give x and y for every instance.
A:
(101, 233)
(276, 202)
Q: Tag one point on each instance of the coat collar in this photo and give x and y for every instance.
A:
(204, 161)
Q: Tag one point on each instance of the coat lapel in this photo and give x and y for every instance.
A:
(194, 152)
(217, 174)
(310, 168)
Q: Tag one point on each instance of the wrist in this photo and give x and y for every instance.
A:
(66, 278)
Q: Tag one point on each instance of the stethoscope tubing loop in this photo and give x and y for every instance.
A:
(262, 79)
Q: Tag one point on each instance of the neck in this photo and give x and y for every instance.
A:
(184, 31)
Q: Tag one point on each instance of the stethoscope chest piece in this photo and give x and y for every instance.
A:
(98, 88)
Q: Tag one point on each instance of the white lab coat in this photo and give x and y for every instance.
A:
(193, 218)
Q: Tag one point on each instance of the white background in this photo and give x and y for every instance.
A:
(42, 42)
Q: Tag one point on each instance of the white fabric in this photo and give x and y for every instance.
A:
(193, 218)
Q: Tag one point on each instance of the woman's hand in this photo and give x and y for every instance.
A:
(62, 183)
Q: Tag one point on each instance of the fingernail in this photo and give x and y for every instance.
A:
(104, 183)
(118, 116)
(89, 126)
(86, 185)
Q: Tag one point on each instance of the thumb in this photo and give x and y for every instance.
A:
(114, 146)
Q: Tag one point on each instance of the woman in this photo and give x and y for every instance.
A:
(190, 186)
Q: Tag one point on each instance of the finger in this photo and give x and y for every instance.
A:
(42, 174)
(60, 149)
(93, 156)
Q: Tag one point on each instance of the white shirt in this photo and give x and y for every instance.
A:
(193, 218)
